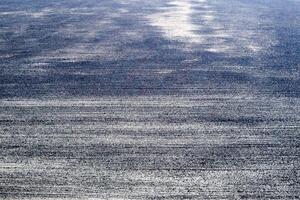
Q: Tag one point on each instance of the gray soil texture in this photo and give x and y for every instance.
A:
(149, 99)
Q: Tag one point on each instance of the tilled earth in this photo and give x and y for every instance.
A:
(136, 99)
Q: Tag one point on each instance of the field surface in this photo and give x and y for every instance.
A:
(140, 99)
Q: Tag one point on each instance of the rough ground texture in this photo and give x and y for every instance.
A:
(138, 99)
